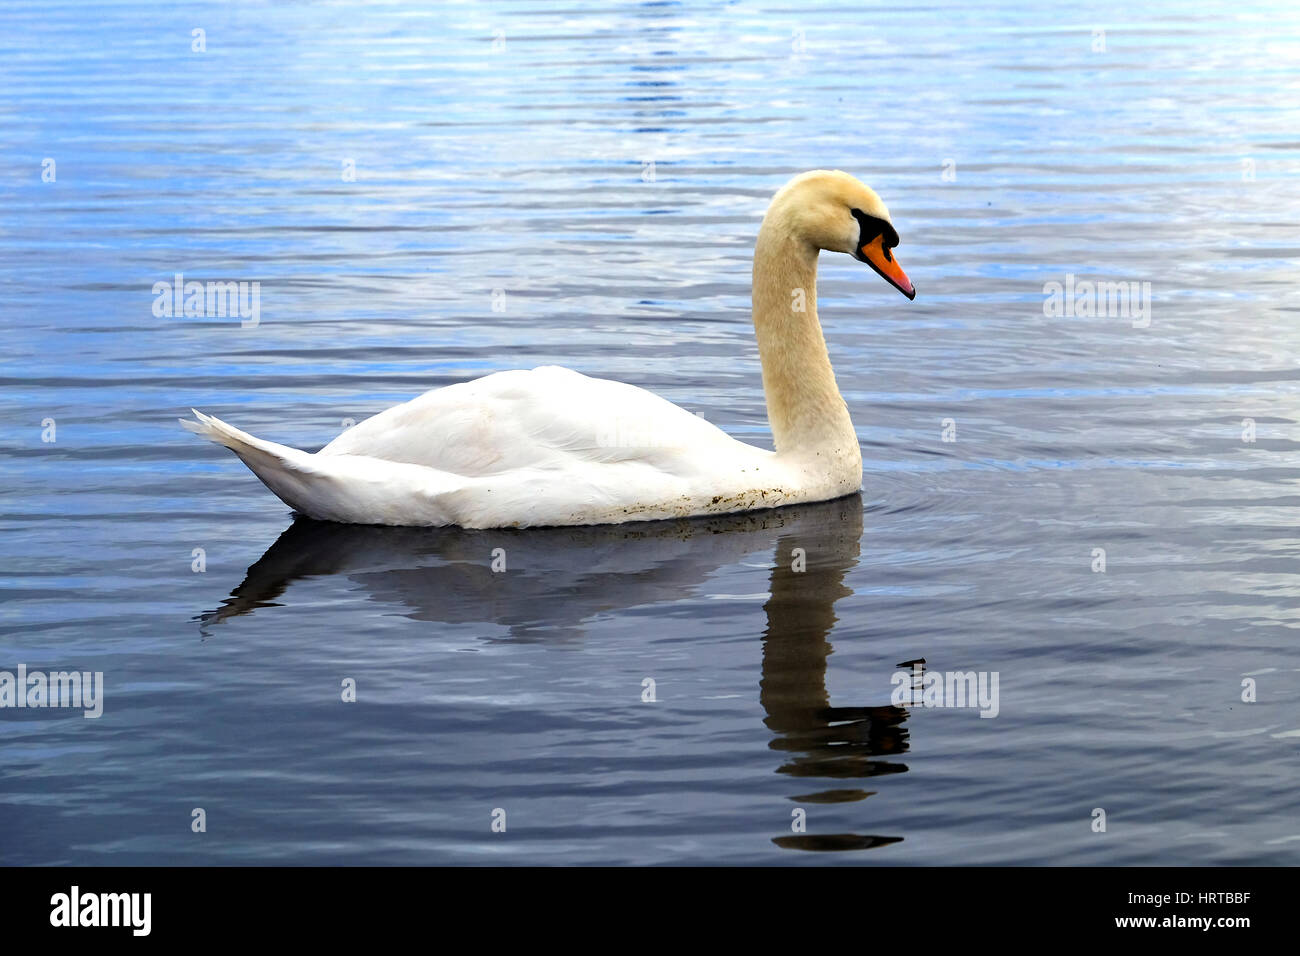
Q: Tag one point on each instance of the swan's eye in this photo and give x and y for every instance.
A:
(869, 227)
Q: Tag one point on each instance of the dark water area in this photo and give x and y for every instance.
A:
(427, 195)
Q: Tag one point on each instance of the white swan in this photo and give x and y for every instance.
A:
(553, 447)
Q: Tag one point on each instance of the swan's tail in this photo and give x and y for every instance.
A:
(351, 488)
(288, 472)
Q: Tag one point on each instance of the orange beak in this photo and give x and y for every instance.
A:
(882, 260)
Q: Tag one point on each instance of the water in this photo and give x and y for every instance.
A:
(505, 213)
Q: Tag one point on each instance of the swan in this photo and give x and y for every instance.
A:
(550, 446)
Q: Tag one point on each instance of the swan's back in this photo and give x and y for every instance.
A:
(549, 418)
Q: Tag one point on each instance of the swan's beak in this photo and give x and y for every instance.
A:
(882, 260)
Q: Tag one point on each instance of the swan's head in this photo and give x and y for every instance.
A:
(834, 211)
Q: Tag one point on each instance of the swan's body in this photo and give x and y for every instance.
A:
(527, 448)
(553, 447)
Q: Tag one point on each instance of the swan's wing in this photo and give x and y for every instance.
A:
(545, 418)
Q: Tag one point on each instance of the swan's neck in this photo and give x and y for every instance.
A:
(804, 405)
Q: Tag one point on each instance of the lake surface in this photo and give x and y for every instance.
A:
(429, 195)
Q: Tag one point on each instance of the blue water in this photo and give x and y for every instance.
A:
(581, 185)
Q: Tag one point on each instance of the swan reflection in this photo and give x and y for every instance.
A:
(818, 740)
(559, 578)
